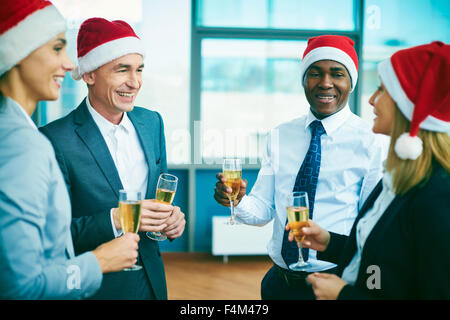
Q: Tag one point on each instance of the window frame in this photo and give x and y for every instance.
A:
(199, 33)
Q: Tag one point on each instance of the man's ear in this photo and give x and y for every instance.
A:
(89, 78)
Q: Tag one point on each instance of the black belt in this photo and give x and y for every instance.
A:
(292, 278)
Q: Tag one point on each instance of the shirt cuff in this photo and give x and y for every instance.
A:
(241, 210)
(116, 233)
(245, 209)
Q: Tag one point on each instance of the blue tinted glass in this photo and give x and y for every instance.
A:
(391, 25)
(277, 14)
(397, 23)
(250, 66)
(247, 88)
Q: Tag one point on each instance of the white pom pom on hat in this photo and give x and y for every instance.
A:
(418, 80)
(408, 147)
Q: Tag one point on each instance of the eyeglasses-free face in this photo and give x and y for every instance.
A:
(327, 87)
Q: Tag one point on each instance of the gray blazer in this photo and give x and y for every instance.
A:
(37, 258)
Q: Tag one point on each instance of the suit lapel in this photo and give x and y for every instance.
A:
(385, 221)
(350, 248)
(146, 139)
(366, 206)
(69, 246)
(90, 134)
(371, 199)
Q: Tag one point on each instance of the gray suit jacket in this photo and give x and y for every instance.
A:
(37, 259)
(94, 183)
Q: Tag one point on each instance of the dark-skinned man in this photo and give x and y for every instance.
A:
(330, 153)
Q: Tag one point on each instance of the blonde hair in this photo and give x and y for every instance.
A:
(409, 173)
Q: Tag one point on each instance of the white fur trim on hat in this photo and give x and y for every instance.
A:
(329, 53)
(407, 147)
(105, 53)
(28, 35)
(393, 86)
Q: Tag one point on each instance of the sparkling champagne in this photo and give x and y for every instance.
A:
(165, 196)
(233, 180)
(298, 218)
(130, 215)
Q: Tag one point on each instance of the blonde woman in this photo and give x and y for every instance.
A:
(399, 245)
(37, 259)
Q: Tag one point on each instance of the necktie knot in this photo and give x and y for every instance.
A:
(317, 128)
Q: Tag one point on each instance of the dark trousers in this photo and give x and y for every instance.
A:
(125, 285)
(275, 286)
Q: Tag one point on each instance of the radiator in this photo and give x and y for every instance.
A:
(239, 239)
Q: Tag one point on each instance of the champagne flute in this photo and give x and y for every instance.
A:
(298, 215)
(165, 193)
(130, 215)
(232, 172)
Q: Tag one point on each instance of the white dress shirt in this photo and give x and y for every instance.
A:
(125, 149)
(365, 226)
(351, 166)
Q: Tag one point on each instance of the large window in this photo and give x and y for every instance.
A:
(391, 25)
(277, 14)
(247, 88)
(245, 68)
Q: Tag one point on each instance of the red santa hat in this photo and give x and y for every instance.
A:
(26, 25)
(418, 80)
(329, 47)
(101, 41)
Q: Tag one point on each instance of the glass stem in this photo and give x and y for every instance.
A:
(300, 255)
(232, 211)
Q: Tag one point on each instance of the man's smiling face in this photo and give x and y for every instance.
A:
(327, 87)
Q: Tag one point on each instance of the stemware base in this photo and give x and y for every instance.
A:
(232, 222)
(133, 268)
(158, 236)
(312, 265)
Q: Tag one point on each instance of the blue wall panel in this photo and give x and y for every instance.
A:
(207, 207)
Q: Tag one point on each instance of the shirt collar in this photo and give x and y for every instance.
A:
(22, 111)
(388, 176)
(332, 122)
(106, 127)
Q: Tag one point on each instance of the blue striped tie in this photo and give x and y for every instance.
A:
(306, 180)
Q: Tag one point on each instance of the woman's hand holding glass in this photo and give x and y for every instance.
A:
(316, 237)
(130, 215)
